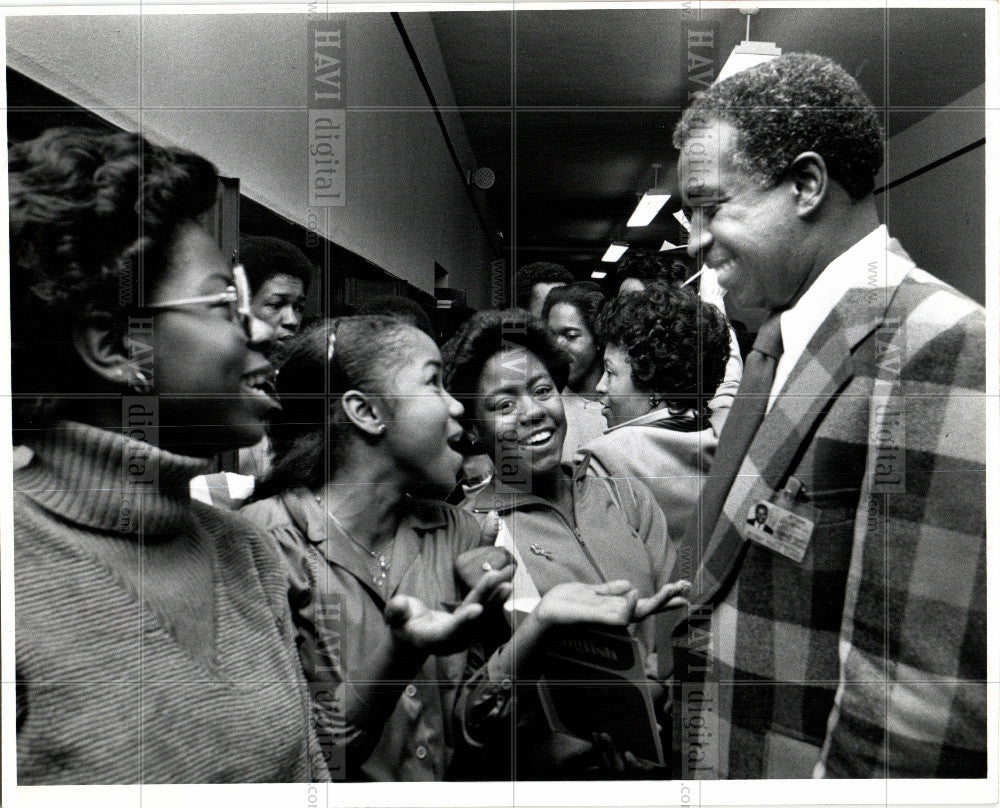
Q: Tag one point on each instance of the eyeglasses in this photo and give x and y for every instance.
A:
(237, 296)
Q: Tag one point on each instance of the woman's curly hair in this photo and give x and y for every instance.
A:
(483, 336)
(676, 343)
(92, 216)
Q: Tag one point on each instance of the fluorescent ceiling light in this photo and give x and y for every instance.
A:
(680, 217)
(598, 275)
(669, 246)
(648, 207)
(746, 55)
(615, 251)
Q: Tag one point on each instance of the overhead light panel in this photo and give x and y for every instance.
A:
(651, 202)
(648, 207)
(748, 53)
(615, 251)
(667, 245)
(683, 220)
(598, 275)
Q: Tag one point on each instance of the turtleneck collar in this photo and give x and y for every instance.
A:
(108, 481)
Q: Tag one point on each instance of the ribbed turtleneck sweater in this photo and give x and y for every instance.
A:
(154, 640)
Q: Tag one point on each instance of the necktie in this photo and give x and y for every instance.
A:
(741, 426)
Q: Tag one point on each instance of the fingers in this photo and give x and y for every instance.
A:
(500, 594)
(484, 587)
(398, 610)
(669, 596)
(466, 613)
(613, 588)
(611, 757)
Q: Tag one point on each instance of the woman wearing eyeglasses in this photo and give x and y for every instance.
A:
(153, 639)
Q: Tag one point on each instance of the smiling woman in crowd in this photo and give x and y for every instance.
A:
(568, 524)
(153, 639)
(364, 437)
(664, 349)
(571, 314)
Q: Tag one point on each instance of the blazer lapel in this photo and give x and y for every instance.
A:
(820, 373)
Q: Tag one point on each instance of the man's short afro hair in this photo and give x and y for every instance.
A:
(263, 257)
(795, 103)
(538, 272)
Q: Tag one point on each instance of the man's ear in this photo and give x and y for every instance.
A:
(99, 342)
(364, 411)
(810, 181)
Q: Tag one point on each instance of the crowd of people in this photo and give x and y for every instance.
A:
(535, 551)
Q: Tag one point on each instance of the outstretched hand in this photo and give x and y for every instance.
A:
(438, 632)
(616, 603)
(609, 604)
(669, 596)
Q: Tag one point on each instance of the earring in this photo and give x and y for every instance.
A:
(140, 383)
(653, 401)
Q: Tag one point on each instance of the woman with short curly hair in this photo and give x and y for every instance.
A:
(594, 549)
(665, 354)
(153, 638)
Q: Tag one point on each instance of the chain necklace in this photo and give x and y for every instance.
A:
(379, 558)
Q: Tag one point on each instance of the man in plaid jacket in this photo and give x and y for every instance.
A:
(848, 638)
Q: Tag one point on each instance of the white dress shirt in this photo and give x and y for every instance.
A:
(867, 264)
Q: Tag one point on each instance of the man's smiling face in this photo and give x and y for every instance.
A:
(749, 233)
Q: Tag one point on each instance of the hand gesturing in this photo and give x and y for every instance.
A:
(438, 632)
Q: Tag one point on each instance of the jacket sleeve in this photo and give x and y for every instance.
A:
(911, 700)
(651, 526)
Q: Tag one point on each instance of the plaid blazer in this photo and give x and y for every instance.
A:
(868, 658)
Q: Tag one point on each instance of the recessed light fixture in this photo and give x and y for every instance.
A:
(598, 275)
(615, 251)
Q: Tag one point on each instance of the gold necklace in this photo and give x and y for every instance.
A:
(383, 563)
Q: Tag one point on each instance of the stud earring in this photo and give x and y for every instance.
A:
(653, 401)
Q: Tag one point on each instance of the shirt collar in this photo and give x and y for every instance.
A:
(686, 422)
(490, 498)
(848, 270)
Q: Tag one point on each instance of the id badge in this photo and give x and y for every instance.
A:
(775, 526)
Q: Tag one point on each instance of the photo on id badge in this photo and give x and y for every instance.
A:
(776, 527)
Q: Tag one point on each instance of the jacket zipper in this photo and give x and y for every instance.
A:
(583, 546)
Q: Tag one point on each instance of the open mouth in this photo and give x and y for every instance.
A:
(261, 384)
(539, 438)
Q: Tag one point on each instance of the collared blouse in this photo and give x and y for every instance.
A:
(338, 595)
